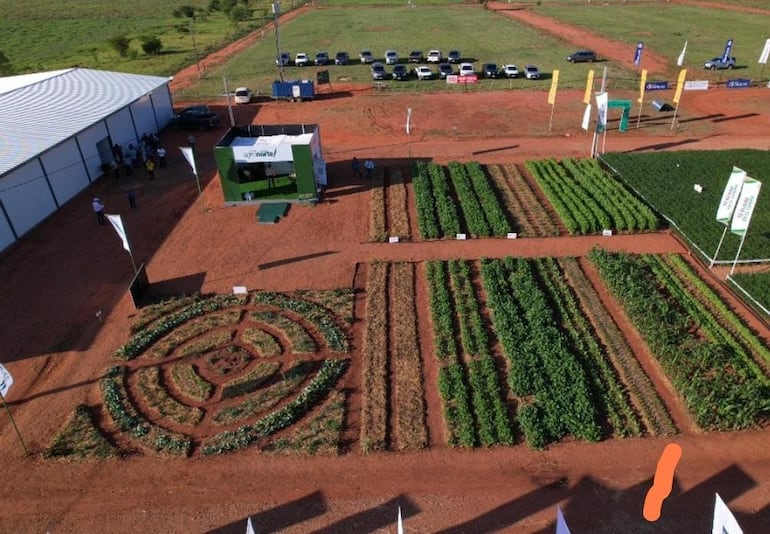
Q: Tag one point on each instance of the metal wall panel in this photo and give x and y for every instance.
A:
(65, 170)
(26, 196)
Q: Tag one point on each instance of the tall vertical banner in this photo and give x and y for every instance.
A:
(745, 206)
(680, 59)
(601, 110)
(187, 152)
(589, 87)
(724, 520)
(638, 53)
(765, 53)
(586, 117)
(730, 195)
(117, 223)
(249, 527)
(400, 522)
(679, 85)
(728, 49)
(554, 86)
(642, 82)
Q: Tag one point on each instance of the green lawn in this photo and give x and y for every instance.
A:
(758, 285)
(666, 180)
(466, 28)
(665, 27)
(40, 35)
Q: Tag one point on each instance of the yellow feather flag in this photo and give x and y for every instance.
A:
(680, 85)
(589, 87)
(554, 84)
(642, 83)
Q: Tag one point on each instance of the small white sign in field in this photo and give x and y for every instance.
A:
(512, 235)
(6, 381)
(607, 233)
(393, 239)
(696, 85)
(240, 290)
(461, 237)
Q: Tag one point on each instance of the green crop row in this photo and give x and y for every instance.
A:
(588, 200)
(454, 393)
(231, 440)
(319, 316)
(490, 203)
(541, 362)
(607, 390)
(491, 413)
(719, 388)
(423, 198)
(445, 204)
(474, 214)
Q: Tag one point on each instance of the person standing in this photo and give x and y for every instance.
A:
(356, 165)
(150, 166)
(132, 154)
(99, 210)
(270, 173)
(369, 166)
(161, 157)
(191, 141)
(131, 199)
(115, 169)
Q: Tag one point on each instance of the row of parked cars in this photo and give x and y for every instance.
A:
(391, 57)
(424, 72)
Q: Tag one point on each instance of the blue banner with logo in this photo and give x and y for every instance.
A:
(728, 49)
(656, 86)
(739, 82)
(638, 53)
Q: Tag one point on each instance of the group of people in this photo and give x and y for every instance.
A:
(368, 167)
(145, 153)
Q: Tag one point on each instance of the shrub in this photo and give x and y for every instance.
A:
(240, 13)
(120, 43)
(151, 45)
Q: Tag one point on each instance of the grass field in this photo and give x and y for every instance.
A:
(41, 35)
(757, 285)
(665, 28)
(666, 181)
(380, 28)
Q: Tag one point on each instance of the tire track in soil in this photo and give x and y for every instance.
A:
(666, 391)
(353, 379)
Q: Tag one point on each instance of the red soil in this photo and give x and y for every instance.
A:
(63, 272)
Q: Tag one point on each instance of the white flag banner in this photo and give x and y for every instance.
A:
(730, 195)
(601, 109)
(724, 520)
(561, 524)
(249, 527)
(746, 204)
(400, 522)
(6, 381)
(187, 152)
(117, 224)
(765, 53)
(586, 117)
(680, 59)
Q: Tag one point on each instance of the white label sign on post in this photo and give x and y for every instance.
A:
(6, 381)
(730, 195)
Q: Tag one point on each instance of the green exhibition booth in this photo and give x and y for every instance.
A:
(271, 163)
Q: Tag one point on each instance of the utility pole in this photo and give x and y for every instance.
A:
(276, 12)
(195, 48)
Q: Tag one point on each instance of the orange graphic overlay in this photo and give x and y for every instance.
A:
(663, 482)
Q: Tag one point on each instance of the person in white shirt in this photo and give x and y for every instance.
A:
(161, 157)
(369, 166)
(99, 210)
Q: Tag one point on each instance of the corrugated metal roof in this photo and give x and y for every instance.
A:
(39, 111)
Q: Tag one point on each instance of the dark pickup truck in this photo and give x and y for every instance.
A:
(196, 118)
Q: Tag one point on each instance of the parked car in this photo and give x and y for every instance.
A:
(531, 72)
(717, 63)
(321, 58)
(366, 57)
(284, 59)
(341, 58)
(400, 72)
(490, 70)
(434, 56)
(243, 95)
(444, 70)
(466, 69)
(511, 71)
(415, 56)
(391, 57)
(582, 56)
(423, 72)
(196, 118)
(378, 71)
(301, 59)
(454, 56)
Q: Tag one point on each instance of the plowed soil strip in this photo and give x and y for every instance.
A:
(374, 409)
(397, 203)
(534, 210)
(408, 394)
(377, 213)
(513, 207)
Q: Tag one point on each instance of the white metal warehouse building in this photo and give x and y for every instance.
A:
(57, 129)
